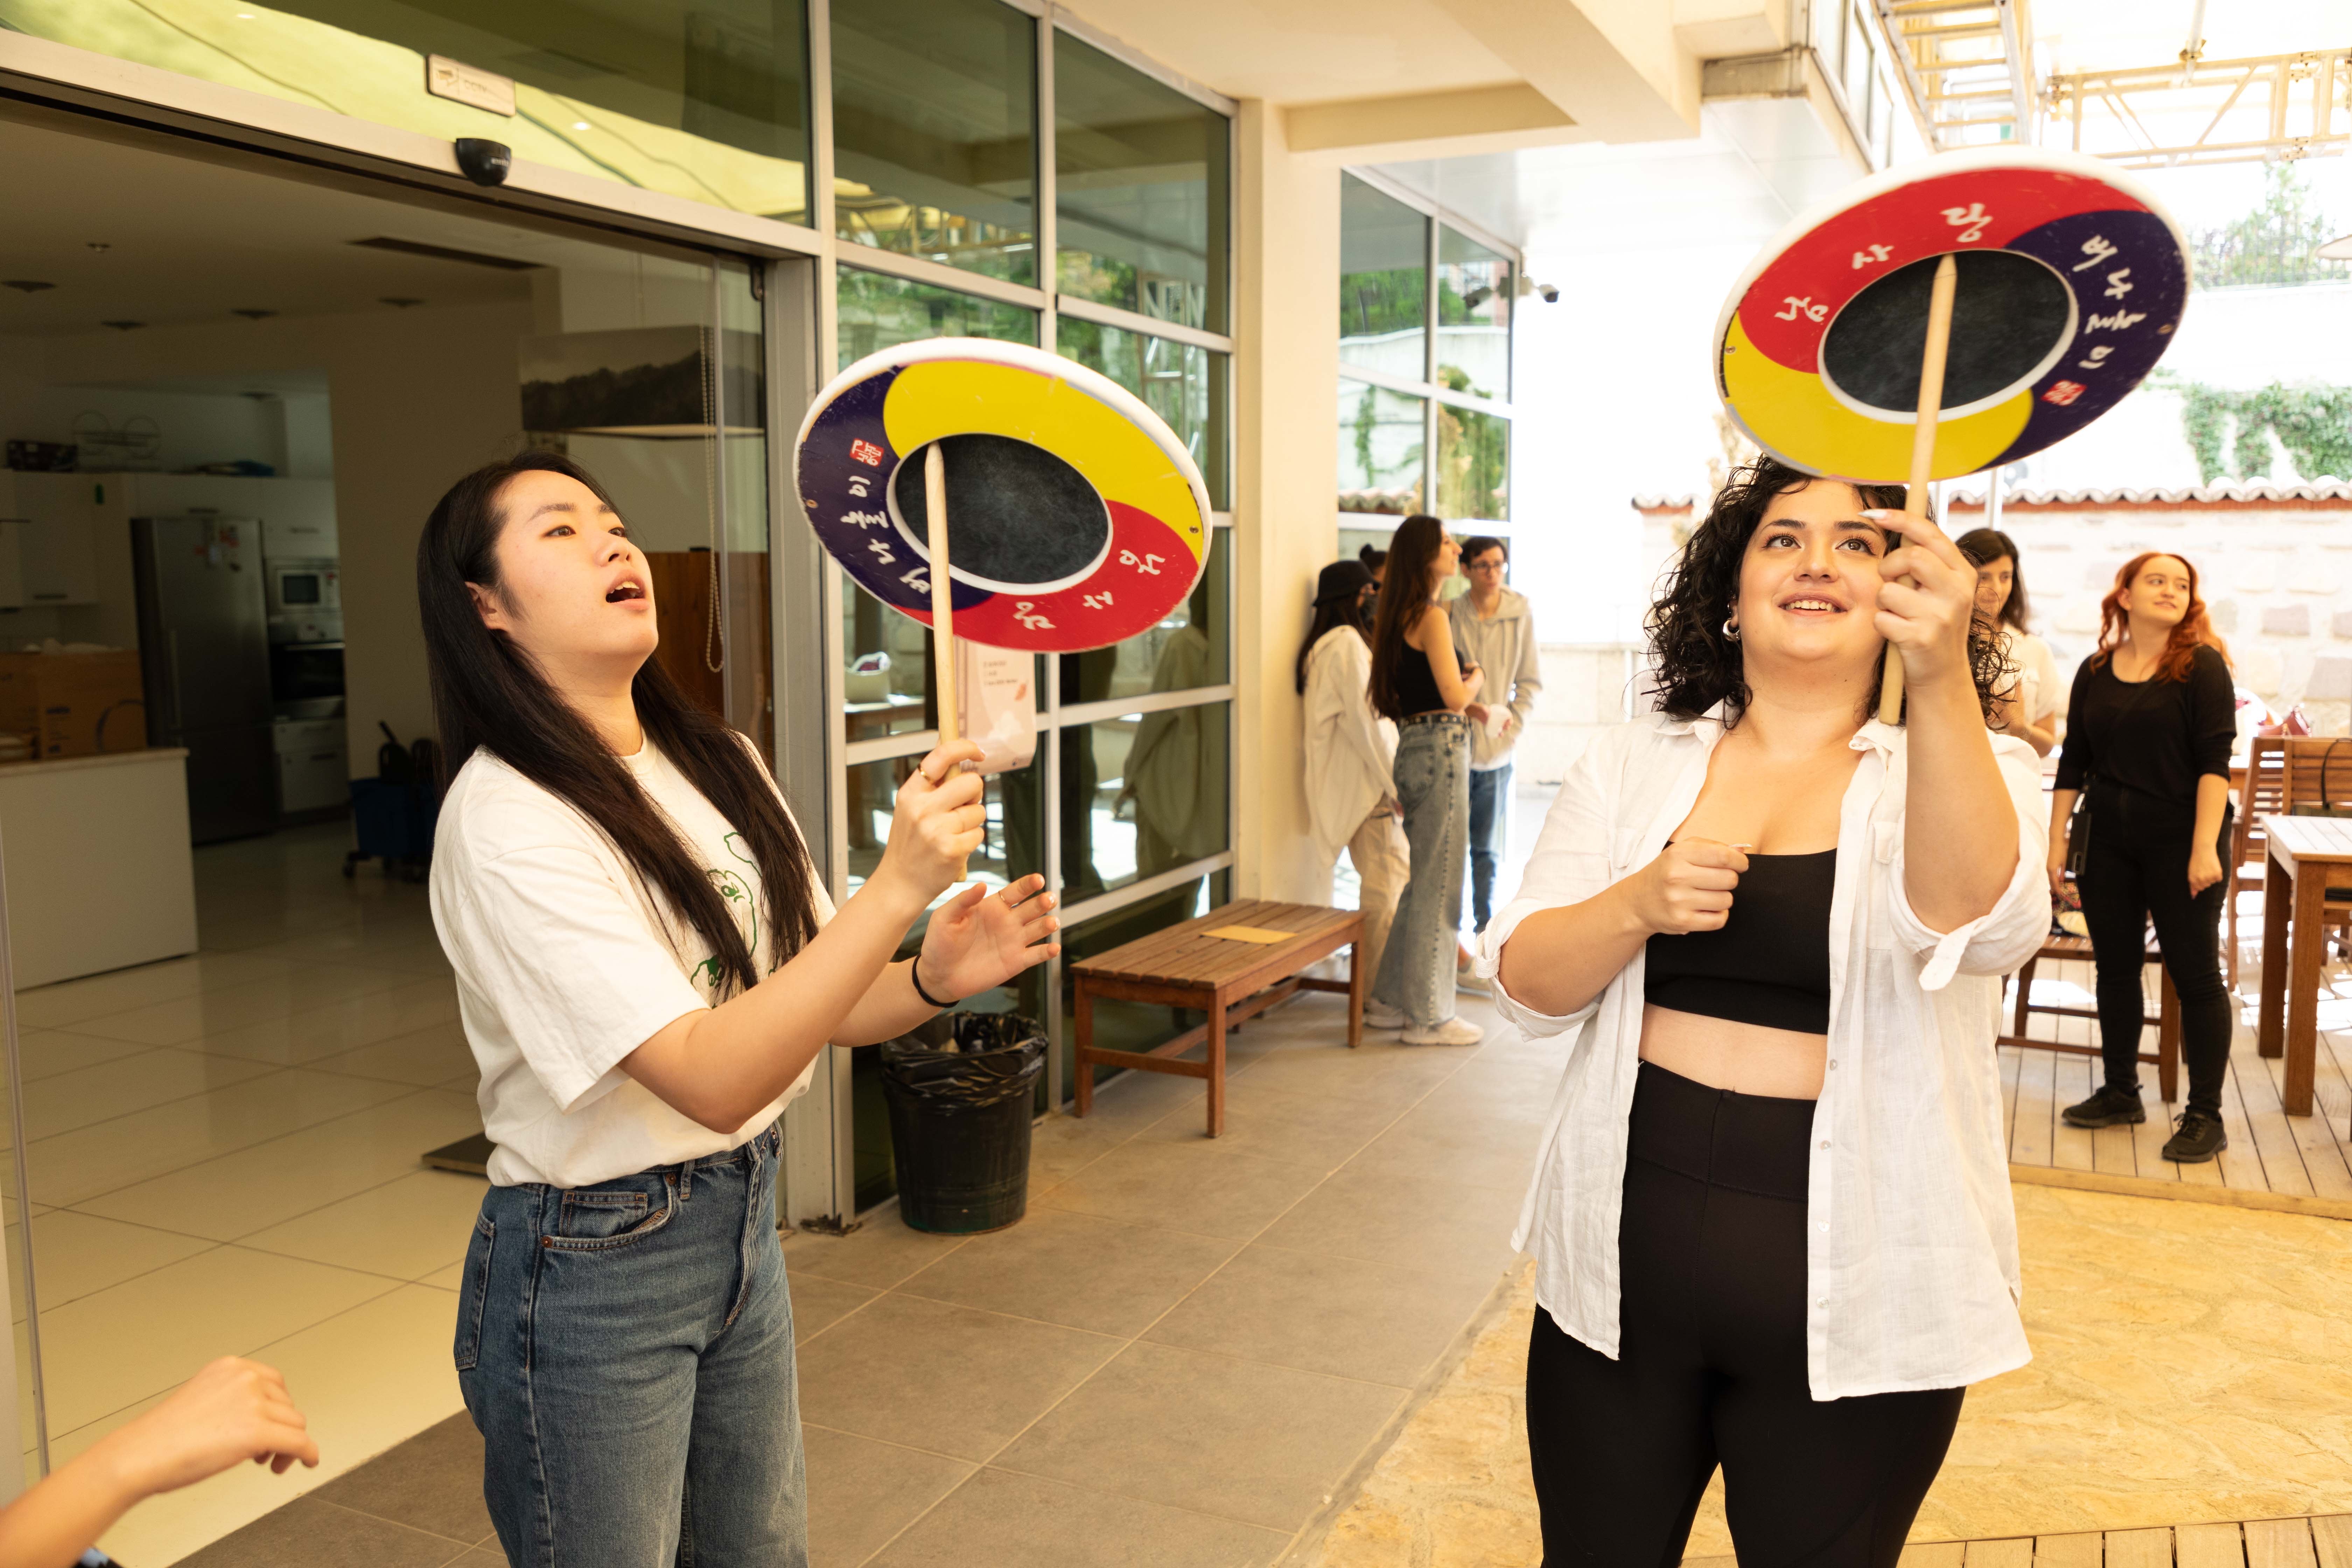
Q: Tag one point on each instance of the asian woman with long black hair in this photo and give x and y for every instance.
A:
(647, 970)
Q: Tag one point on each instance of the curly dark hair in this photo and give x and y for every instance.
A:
(1694, 664)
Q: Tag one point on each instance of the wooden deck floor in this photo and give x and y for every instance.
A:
(2303, 1157)
(2322, 1542)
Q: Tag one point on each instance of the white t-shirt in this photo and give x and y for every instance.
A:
(2039, 692)
(566, 964)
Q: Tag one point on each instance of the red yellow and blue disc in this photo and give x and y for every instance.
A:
(2070, 283)
(1075, 517)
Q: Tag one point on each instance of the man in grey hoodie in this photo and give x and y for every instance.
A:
(1495, 626)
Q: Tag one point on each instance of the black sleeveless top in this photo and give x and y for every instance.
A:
(1416, 684)
(1769, 964)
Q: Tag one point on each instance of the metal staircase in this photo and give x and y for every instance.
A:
(1966, 67)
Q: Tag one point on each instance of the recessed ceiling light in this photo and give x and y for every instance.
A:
(251, 314)
(580, 125)
(124, 326)
(399, 301)
(25, 285)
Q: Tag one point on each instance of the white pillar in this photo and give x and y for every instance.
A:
(1285, 510)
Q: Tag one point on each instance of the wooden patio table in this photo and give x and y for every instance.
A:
(1229, 978)
(2306, 854)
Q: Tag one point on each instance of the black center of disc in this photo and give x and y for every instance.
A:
(1017, 513)
(2008, 313)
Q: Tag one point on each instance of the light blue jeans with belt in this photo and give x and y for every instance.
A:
(626, 1350)
(1432, 783)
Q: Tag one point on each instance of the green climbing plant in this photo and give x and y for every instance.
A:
(2312, 422)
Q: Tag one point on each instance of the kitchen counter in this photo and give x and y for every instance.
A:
(100, 875)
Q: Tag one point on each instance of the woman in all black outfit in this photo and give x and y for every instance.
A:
(2148, 745)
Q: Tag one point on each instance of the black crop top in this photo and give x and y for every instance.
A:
(1769, 964)
(1417, 683)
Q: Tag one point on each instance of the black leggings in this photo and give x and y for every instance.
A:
(2135, 870)
(1712, 1366)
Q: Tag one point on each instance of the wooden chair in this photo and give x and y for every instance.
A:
(2309, 778)
(2266, 790)
(2167, 1055)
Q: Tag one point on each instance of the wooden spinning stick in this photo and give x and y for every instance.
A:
(935, 504)
(1923, 452)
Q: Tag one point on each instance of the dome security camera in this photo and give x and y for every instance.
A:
(1549, 292)
(484, 162)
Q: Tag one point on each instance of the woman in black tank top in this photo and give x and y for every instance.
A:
(1419, 681)
(1728, 1303)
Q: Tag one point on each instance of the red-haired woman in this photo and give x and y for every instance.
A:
(2147, 747)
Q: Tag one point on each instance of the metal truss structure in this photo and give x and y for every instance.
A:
(2274, 108)
(1966, 67)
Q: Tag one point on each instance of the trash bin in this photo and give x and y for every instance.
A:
(961, 1090)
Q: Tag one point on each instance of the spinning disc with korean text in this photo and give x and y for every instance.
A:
(2070, 283)
(1075, 516)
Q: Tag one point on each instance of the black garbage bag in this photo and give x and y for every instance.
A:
(961, 1089)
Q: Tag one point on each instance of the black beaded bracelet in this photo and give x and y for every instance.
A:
(915, 976)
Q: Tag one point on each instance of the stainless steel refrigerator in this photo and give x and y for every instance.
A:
(204, 648)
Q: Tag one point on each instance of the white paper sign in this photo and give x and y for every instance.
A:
(996, 689)
(462, 83)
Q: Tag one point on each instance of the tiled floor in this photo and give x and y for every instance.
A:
(1180, 1357)
(223, 1153)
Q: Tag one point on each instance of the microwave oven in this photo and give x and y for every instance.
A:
(304, 587)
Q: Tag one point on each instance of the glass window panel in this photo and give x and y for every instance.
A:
(1135, 1026)
(1015, 822)
(1192, 646)
(1183, 385)
(1154, 786)
(1474, 464)
(707, 101)
(1473, 317)
(1858, 62)
(1382, 437)
(887, 685)
(878, 311)
(1140, 180)
(934, 129)
(1383, 282)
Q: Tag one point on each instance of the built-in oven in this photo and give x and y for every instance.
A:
(304, 587)
(306, 680)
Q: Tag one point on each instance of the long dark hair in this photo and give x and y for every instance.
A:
(1694, 665)
(1983, 546)
(1329, 615)
(488, 693)
(1404, 594)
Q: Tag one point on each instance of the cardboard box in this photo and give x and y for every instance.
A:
(76, 704)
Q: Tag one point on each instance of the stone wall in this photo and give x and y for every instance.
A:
(2275, 571)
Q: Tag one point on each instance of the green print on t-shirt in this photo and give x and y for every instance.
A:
(741, 893)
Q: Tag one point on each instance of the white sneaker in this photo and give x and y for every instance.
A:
(1456, 1031)
(1381, 1017)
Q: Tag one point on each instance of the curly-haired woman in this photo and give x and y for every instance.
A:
(2147, 750)
(1771, 1217)
(2030, 705)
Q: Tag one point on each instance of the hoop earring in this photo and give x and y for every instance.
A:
(1730, 629)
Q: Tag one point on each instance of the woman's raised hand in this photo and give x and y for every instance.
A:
(1927, 600)
(938, 821)
(979, 940)
(1688, 887)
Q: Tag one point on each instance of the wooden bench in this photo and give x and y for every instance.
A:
(2167, 1055)
(1228, 978)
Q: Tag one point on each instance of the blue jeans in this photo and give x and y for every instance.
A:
(1490, 789)
(626, 1350)
(1432, 783)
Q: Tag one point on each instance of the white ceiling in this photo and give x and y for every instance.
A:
(1307, 51)
(189, 241)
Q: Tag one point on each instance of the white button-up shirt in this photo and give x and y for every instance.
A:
(1911, 1269)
